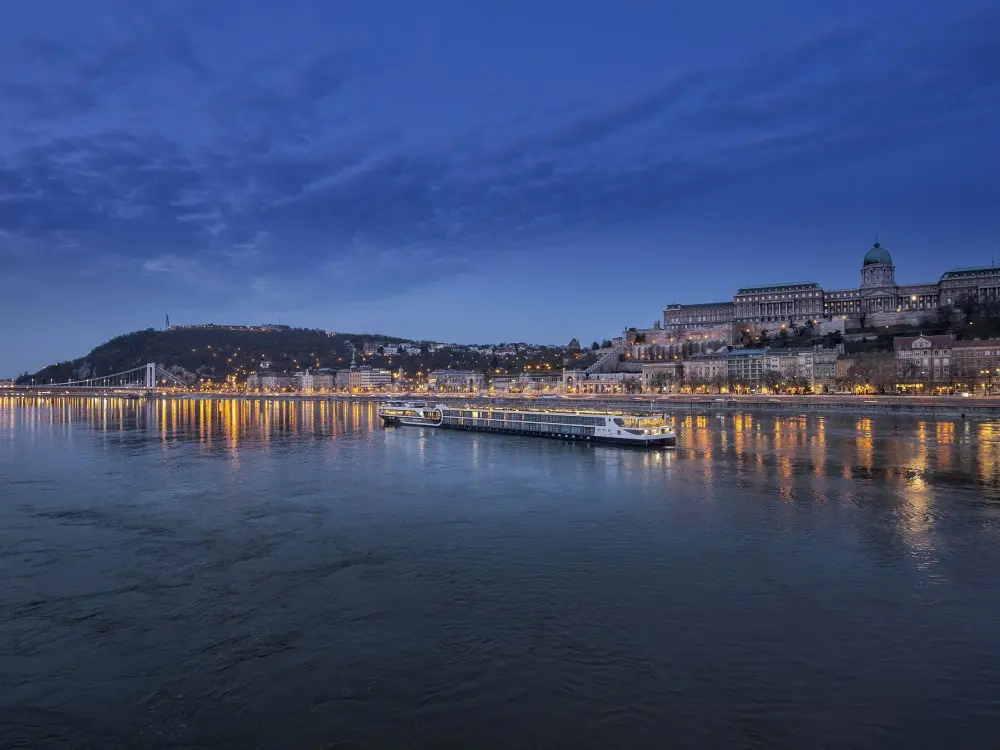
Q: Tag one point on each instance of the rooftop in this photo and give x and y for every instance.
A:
(785, 285)
(677, 306)
(878, 255)
(970, 270)
(943, 341)
(976, 342)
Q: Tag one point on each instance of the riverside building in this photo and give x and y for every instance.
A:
(365, 378)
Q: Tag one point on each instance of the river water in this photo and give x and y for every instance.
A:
(291, 575)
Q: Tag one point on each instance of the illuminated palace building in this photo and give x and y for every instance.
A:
(878, 301)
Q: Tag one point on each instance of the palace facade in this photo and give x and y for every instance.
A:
(879, 298)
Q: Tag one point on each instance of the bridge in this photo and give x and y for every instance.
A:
(146, 378)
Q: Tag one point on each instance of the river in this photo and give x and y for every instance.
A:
(244, 573)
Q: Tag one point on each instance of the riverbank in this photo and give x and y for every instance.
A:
(943, 406)
(928, 406)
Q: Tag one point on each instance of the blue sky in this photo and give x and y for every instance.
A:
(477, 171)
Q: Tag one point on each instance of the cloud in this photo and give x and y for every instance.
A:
(837, 92)
(169, 264)
(57, 80)
(97, 184)
(276, 103)
(258, 171)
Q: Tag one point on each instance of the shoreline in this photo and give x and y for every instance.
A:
(943, 406)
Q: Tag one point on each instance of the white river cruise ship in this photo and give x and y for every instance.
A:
(621, 428)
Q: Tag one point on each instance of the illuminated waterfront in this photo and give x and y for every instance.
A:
(272, 573)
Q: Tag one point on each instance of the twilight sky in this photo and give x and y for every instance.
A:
(477, 170)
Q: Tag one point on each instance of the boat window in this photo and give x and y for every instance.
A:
(640, 422)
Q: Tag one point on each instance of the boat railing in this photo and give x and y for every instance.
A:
(534, 410)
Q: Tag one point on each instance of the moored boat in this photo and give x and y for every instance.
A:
(617, 427)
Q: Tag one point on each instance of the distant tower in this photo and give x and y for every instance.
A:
(167, 327)
(354, 363)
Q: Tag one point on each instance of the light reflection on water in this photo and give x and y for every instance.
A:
(797, 454)
(916, 451)
(775, 578)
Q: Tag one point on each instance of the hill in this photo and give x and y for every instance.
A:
(218, 353)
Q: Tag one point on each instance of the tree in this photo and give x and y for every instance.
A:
(783, 334)
(606, 344)
(771, 380)
(836, 338)
(694, 383)
(946, 315)
(595, 346)
(876, 371)
(640, 338)
(968, 303)
(909, 372)
(763, 336)
(991, 310)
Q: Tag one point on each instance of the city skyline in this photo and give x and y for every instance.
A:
(476, 173)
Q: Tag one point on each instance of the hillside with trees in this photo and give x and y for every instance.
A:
(213, 353)
(216, 354)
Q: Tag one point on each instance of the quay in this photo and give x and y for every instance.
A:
(927, 406)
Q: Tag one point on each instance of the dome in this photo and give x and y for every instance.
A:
(878, 254)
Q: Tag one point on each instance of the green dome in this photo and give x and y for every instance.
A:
(877, 255)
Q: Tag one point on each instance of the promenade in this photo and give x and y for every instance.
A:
(944, 406)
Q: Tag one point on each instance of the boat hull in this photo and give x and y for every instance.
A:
(407, 422)
(667, 441)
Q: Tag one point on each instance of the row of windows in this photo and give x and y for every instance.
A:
(851, 295)
(927, 361)
(526, 417)
(766, 297)
(768, 318)
(506, 424)
(977, 365)
(698, 319)
(848, 306)
(779, 306)
(641, 422)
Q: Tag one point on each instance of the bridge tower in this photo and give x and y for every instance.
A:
(150, 376)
